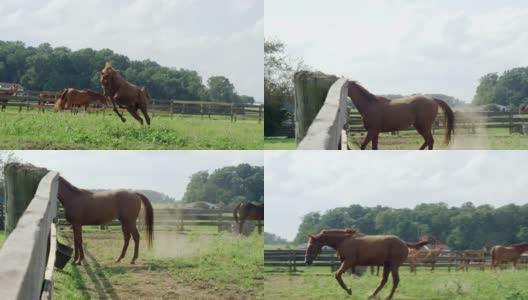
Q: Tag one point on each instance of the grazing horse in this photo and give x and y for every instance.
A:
(83, 207)
(384, 115)
(357, 249)
(511, 253)
(248, 211)
(125, 94)
(11, 92)
(473, 255)
(71, 97)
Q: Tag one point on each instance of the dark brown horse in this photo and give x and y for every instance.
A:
(383, 115)
(357, 249)
(83, 207)
(11, 92)
(248, 211)
(512, 253)
(125, 94)
(73, 97)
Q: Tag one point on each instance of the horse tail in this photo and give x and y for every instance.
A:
(417, 245)
(449, 123)
(235, 212)
(62, 99)
(149, 218)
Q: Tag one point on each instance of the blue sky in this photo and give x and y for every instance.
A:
(209, 36)
(162, 171)
(404, 46)
(299, 182)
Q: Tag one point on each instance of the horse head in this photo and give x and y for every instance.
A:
(107, 79)
(313, 250)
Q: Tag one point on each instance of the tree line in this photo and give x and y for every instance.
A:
(510, 88)
(44, 68)
(464, 227)
(224, 186)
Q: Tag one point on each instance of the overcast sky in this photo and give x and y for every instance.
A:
(210, 36)
(299, 182)
(405, 46)
(163, 171)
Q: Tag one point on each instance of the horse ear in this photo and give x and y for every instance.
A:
(310, 236)
(108, 65)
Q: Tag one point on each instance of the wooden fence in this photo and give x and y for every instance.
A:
(292, 259)
(157, 106)
(25, 264)
(179, 218)
(320, 111)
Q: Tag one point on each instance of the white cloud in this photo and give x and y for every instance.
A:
(300, 182)
(209, 36)
(405, 46)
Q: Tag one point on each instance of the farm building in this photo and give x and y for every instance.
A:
(4, 86)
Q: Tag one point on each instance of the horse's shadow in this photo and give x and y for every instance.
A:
(93, 269)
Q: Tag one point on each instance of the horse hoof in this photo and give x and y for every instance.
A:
(132, 262)
(349, 291)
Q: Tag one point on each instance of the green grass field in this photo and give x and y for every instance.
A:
(320, 283)
(197, 265)
(2, 238)
(485, 139)
(64, 130)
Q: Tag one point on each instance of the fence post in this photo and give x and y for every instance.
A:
(21, 183)
(219, 220)
(311, 89)
(172, 114)
(260, 113)
(511, 121)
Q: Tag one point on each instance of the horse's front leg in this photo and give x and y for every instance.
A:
(368, 138)
(344, 266)
(76, 245)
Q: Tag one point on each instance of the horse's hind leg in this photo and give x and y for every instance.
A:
(395, 281)
(427, 136)
(145, 114)
(135, 236)
(133, 111)
(384, 278)
(126, 237)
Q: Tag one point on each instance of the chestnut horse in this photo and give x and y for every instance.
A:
(473, 255)
(83, 207)
(248, 211)
(11, 92)
(47, 97)
(125, 94)
(85, 97)
(384, 115)
(511, 253)
(357, 249)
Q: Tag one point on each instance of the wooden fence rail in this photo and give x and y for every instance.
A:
(292, 259)
(156, 106)
(24, 262)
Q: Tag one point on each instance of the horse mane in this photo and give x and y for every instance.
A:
(68, 187)
(339, 232)
(368, 95)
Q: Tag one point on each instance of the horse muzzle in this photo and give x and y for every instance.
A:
(308, 261)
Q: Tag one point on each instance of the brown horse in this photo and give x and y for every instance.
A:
(72, 97)
(383, 115)
(357, 249)
(11, 92)
(500, 254)
(248, 211)
(416, 256)
(473, 255)
(83, 207)
(125, 94)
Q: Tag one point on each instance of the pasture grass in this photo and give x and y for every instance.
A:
(179, 266)
(2, 238)
(320, 283)
(64, 130)
(483, 139)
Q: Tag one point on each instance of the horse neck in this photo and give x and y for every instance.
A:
(68, 194)
(332, 240)
(360, 101)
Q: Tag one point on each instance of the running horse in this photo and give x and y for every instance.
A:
(510, 253)
(83, 207)
(73, 97)
(357, 249)
(381, 114)
(125, 94)
(11, 92)
(248, 211)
